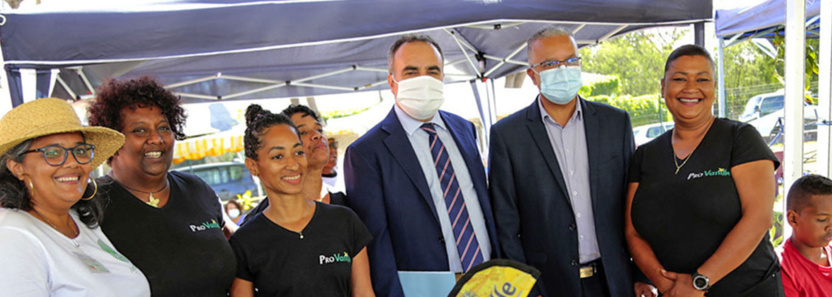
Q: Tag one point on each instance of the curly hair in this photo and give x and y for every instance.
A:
(14, 195)
(257, 121)
(113, 96)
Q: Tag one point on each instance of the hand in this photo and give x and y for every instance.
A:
(645, 290)
(682, 285)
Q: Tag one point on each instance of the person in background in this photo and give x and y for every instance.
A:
(407, 201)
(331, 178)
(700, 199)
(50, 240)
(316, 148)
(169, 223)
(234, 211)
(558, 179)
(804, 258)
(296, 246)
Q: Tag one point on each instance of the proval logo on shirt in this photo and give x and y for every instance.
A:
(707, 173)
(205, 226)
(323, 259)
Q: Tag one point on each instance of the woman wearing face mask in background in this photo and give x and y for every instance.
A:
(234, 211)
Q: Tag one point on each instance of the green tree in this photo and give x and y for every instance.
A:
(636, 58)
(748, 72)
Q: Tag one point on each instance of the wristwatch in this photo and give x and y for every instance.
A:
(701, 282)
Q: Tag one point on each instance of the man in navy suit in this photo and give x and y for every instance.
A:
(417, 180)
(558, 175)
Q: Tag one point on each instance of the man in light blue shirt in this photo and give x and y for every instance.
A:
(558, 175)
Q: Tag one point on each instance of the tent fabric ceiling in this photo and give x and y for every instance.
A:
(215, 43)
(758, 19)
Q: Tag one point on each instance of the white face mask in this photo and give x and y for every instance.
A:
(420, 97)
(233, 213)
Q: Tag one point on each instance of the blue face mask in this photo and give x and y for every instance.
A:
(560, 85)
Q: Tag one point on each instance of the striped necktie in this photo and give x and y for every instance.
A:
(466, 240)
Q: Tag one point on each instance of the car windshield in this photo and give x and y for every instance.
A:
(750, 107)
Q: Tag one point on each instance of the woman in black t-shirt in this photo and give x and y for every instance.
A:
(317, 150)
(169, 224)
(700, 199)
(296, 246)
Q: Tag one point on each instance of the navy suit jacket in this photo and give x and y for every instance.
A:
(535, 221)
(389, 192)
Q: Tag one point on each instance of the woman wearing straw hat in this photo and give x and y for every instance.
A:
(49, 237)
(168, 223)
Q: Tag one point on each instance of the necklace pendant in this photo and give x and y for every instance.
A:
(301, 235)
(152, 201)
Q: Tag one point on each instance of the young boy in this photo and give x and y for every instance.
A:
(804, 258)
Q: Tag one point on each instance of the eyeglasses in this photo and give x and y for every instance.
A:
(55, 155)
(549, 64)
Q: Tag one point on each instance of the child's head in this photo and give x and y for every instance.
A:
(810, 210)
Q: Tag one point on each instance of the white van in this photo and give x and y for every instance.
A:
(763, 112)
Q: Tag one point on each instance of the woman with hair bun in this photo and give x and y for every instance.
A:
(296, 246)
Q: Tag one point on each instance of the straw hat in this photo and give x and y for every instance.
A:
(52, 116)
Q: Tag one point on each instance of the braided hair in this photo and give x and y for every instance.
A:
(258, 121)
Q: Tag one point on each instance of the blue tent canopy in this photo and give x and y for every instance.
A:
(231, 50)
(762, 20)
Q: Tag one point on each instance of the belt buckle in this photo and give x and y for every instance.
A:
(587, 271)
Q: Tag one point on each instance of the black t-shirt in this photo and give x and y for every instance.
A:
(335, 198)
(685, 216)
(281, 263)
(180, 247)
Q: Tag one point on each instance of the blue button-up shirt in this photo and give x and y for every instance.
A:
(421, 146)
(569, 144)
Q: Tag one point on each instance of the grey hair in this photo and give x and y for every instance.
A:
(407, 39)
(546, 33)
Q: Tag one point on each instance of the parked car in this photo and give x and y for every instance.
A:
(645, 133)
(228, 179)
(765, 110)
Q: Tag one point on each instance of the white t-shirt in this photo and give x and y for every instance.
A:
(37, 260)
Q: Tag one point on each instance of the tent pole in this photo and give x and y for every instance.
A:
(721, 79)
(824, 163)
(66, 88)
(795, 59)
(80, 71)
(479, 107)
(699, 33)
(462, 48)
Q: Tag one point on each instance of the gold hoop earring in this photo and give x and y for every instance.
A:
(95, 190)
(31, 186)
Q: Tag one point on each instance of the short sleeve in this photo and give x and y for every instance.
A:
(360, 235)
(634, 175)
(243, 271)
(749, 147)
(24, 269)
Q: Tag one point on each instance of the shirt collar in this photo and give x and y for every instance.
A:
(544, 116)
(411, 126)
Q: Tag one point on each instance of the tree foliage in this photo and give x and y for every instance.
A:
(636, 58)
